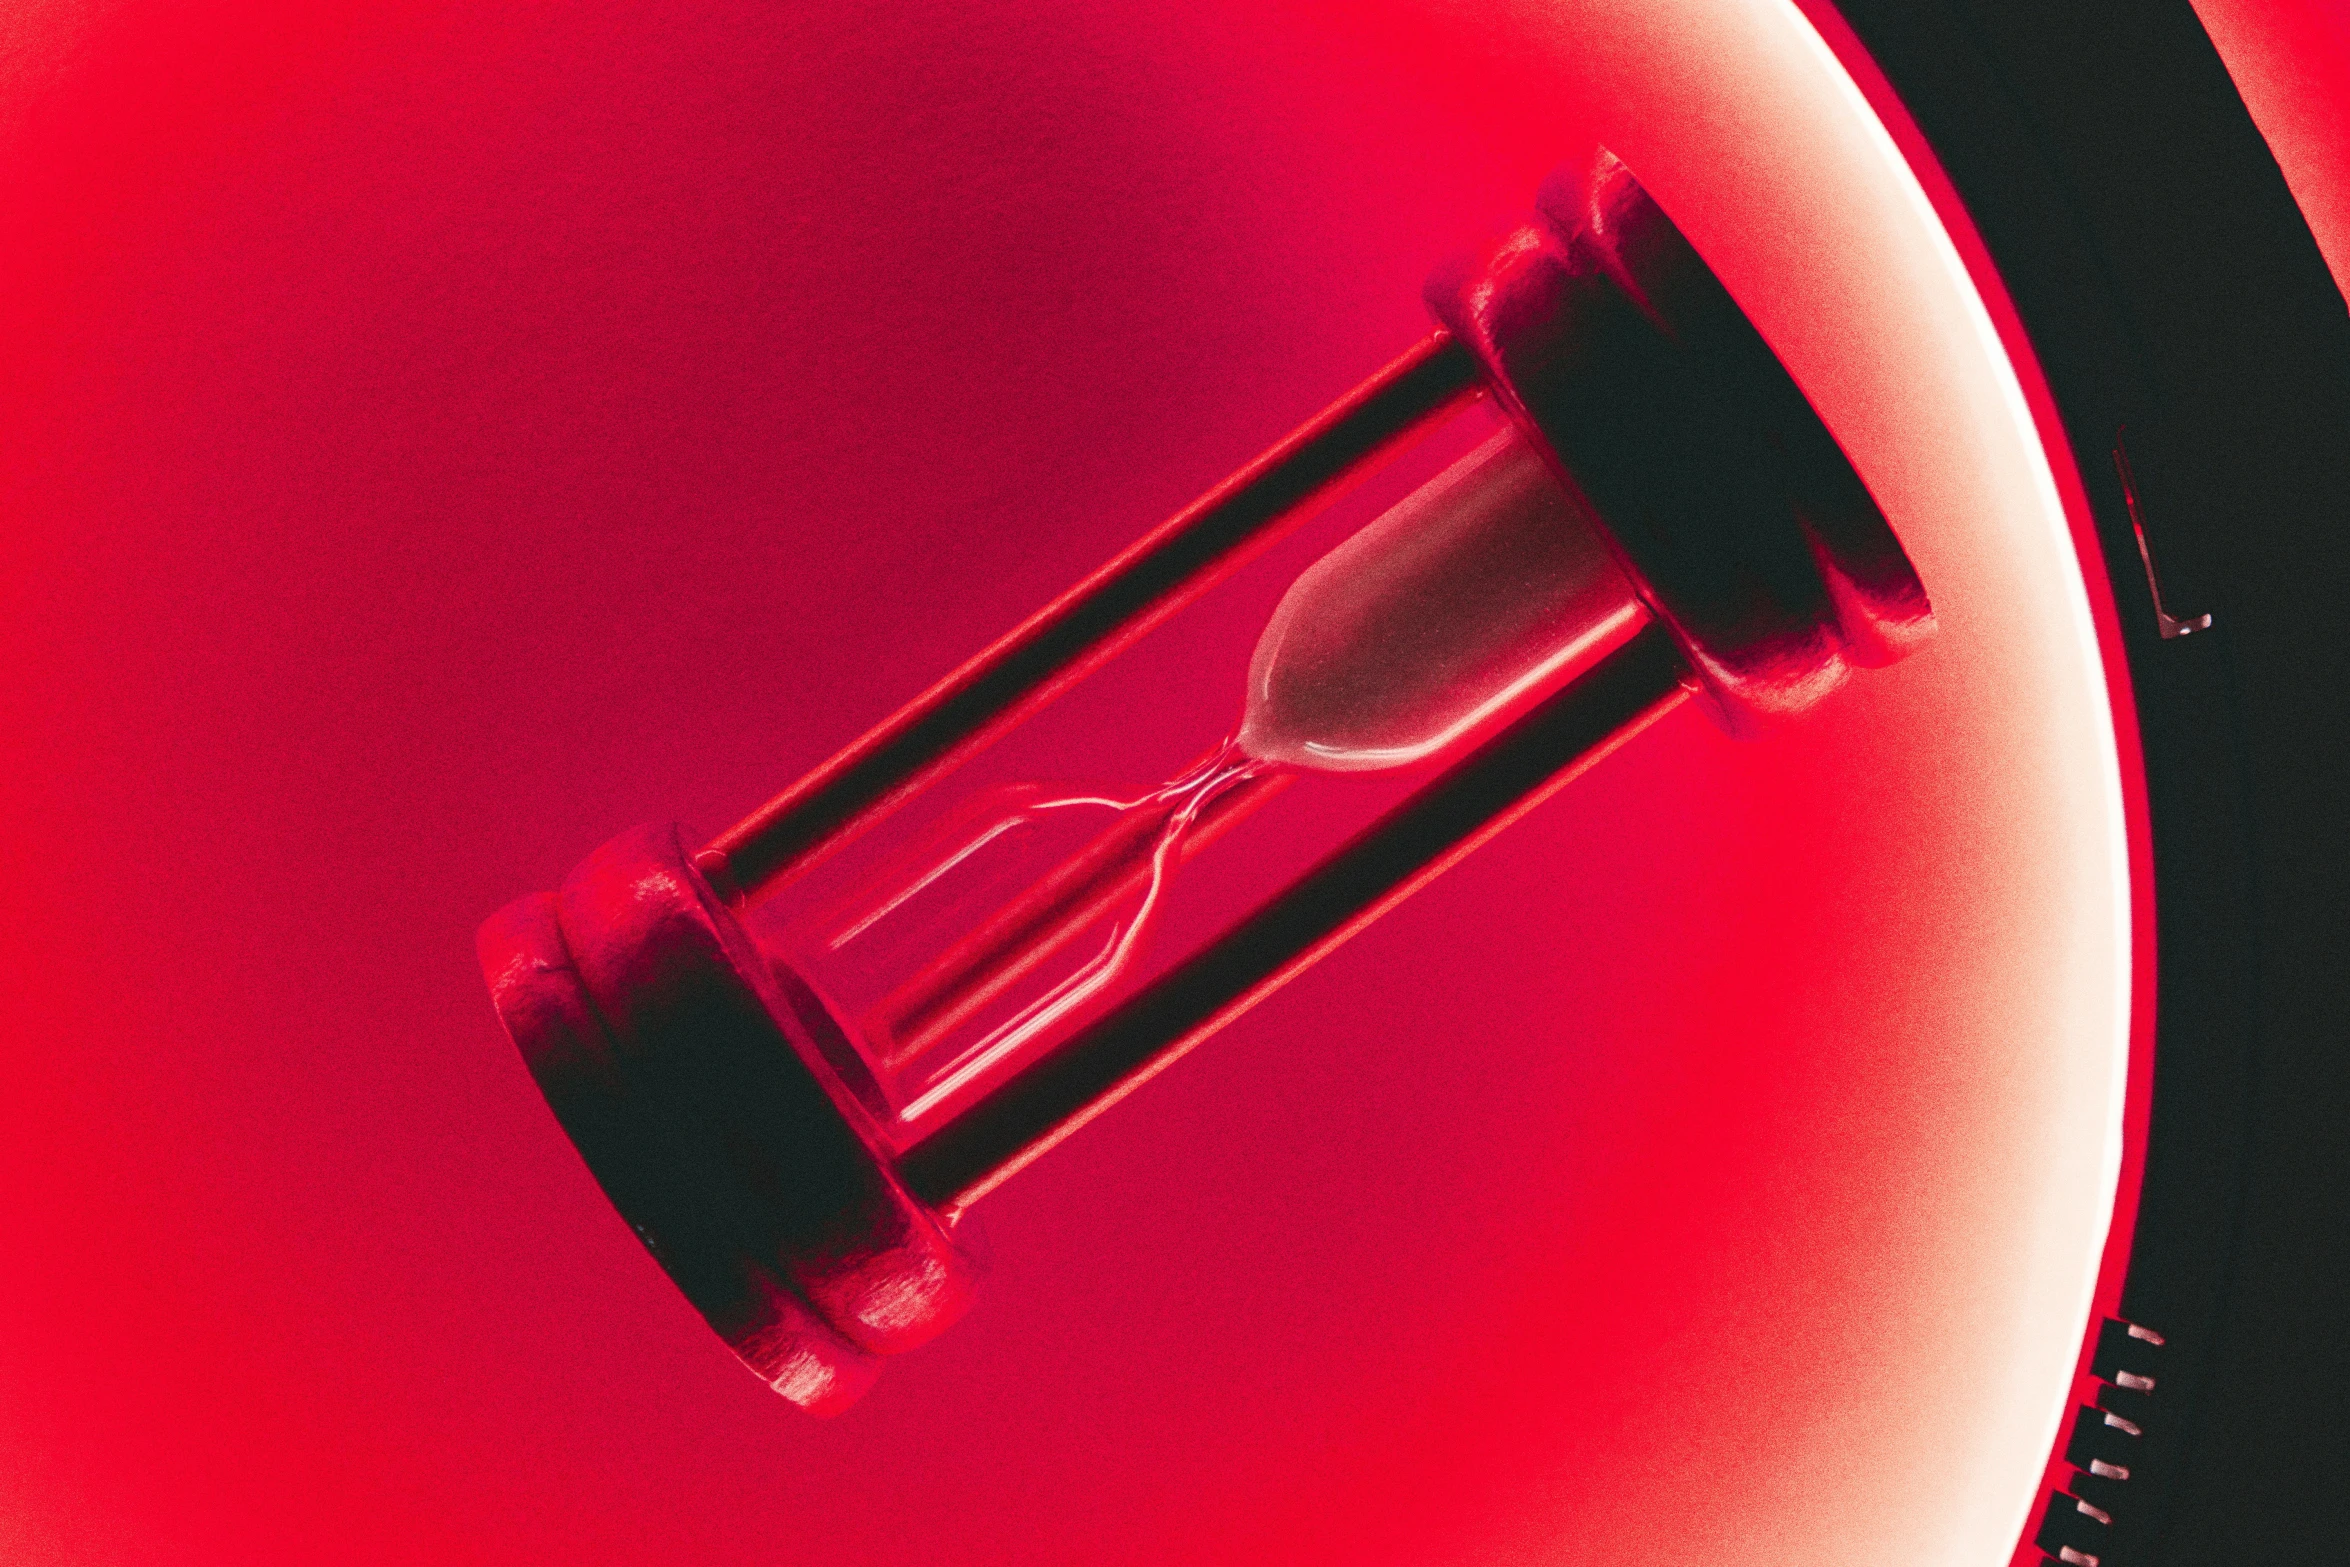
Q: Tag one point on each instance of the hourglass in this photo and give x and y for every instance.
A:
(793, 1073)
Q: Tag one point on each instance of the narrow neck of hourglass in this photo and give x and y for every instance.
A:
(1063, 642)
(1110, 889)
(963, 1157)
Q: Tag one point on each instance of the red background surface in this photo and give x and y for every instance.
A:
(438, 437)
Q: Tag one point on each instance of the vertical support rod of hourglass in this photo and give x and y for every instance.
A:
(1386, 862)
(1058, 645)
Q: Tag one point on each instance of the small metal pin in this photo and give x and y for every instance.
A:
(2098, 1513)
(2076, 1558)
(2168, 624)
(2119, 1424)
(2133, 1381)
(2104, 1470)
(2137, 1332)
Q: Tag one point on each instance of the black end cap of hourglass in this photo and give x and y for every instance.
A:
(1728, 503)
(695, 1087)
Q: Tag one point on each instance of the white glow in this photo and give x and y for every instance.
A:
(2060, 1338)
(1750, 133)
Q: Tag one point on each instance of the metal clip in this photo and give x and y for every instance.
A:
(2170, 625)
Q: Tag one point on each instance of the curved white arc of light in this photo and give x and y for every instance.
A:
(2048, 507)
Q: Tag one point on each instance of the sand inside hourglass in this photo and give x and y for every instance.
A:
(1477, 589)
(1478, 592)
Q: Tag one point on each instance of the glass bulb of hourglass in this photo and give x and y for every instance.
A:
(1480, 590)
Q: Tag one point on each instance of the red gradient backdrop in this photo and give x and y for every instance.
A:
(435, 437)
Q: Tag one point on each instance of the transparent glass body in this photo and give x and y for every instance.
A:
(1015, 915)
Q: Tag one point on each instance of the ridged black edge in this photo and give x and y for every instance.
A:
(2104, 1514)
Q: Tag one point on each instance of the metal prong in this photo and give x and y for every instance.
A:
(2171, 626)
